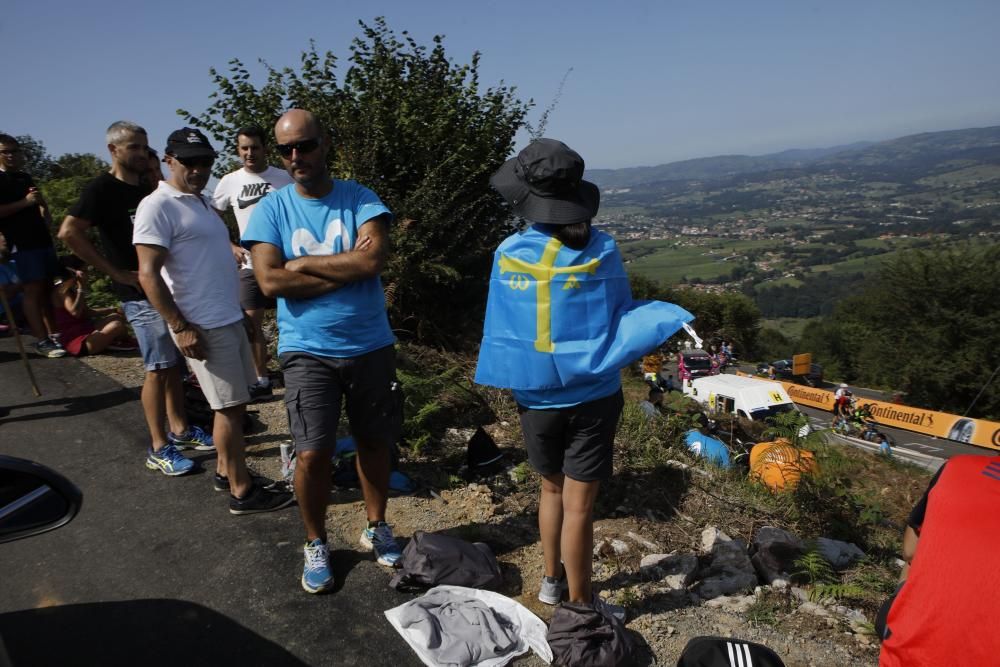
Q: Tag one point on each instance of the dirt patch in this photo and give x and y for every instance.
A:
(658, 511)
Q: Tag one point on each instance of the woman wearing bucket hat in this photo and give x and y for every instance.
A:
(560, 325)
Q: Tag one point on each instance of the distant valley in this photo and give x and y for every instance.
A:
(792, 227)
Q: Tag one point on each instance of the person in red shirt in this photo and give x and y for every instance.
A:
(945, 610)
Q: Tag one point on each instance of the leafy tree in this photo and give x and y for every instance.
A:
(70, 174)
(726, 316)
(773, 344)
(83, 165)
(421, 132)
(928, 325)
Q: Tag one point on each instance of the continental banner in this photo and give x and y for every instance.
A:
(979, 432)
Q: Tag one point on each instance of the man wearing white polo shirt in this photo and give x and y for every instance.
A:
(187, 271)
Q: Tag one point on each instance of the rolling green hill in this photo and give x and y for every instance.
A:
(928, 151)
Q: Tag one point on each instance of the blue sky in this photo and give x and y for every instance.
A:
(651, 82)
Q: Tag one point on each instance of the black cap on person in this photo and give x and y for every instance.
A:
(188, 142)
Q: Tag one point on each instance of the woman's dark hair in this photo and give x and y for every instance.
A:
(575, 236)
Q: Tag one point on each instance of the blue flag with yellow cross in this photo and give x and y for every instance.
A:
(556, 317)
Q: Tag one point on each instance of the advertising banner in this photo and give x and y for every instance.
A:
(981, 432)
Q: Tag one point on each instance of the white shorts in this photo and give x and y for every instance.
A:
(226, 373)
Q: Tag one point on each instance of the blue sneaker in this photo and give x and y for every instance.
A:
(381, 540)
(316, 576)
(169, 461)
(193, 438)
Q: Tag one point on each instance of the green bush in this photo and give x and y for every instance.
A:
(421, 131)
(437, 395)
(646, 443)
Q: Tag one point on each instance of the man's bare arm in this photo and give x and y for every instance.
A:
(13, 207)
(73, 232)
(151, 259)
(33, 198)
(365, 261)
(275, 280)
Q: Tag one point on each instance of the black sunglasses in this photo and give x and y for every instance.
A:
(307, 146)
(195, 161)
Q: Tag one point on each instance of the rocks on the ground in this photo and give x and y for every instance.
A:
(774, 553)
(729, 570)
(643, 542)
(611, 547)
(711, 536)
(800, 594)
(673, 571)
(851, 615)
(457, 436)
(736, 604)
(814, 609)
(839, 554)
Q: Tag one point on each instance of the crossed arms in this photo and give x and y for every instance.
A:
(314, 275)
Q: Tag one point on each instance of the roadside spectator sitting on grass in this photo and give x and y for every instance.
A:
(653, 404)
(85, 330)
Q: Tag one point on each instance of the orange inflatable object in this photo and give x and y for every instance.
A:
(779, 465)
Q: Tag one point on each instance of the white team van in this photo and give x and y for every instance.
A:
(742, 397)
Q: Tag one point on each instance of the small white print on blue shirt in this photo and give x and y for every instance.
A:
(348, 321)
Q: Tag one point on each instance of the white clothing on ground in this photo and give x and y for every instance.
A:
(455, 625)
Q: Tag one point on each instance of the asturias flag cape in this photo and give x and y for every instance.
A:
(557, 317)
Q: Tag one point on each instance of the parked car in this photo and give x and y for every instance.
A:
(695, 364)
(783, 371)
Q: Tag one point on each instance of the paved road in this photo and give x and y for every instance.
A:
(154, 570)
(923, 450)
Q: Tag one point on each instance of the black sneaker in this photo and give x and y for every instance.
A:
(49, 347)
(260, 500)
(261, 393)
(221, 483)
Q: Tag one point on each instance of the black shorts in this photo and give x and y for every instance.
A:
(251, 298)
(577, 441)
(316, 386)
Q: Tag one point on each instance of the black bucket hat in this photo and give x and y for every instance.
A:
(544, 183)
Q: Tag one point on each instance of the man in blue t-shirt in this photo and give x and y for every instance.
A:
(319, 246)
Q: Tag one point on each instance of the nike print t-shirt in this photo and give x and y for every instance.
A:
(242, 189)
(346, 322)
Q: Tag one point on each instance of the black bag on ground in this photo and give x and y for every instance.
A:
(200, 413)
(581, 636)
(727, 652)
(196, 407)
(432, 559)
